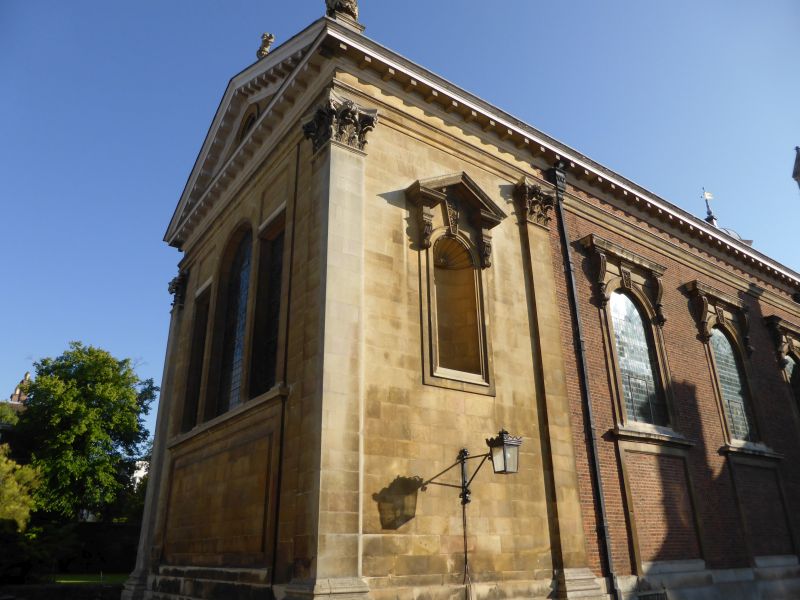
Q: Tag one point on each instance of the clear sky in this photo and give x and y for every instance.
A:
(104, 106)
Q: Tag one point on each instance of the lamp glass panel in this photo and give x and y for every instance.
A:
(512, 458)
(498, 459)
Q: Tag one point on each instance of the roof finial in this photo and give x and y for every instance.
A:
(343, 8)
(266, 44)
(710, 218)
(796, 173)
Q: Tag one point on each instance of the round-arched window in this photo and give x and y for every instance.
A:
(735, 396)
(641, 388)
(233, 330)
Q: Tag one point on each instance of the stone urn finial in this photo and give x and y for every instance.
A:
(266, 43)
(347, 8)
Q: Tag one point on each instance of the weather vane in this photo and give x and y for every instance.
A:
(710, 218)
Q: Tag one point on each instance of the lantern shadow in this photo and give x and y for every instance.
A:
(397, 502)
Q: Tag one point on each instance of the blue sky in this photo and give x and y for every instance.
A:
(104, 106)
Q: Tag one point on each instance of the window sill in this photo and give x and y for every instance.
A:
(751, 449)
(278, 391)
(652, 434)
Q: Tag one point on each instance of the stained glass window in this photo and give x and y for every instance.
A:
(735, 396)
(234, 327)
(644, 400)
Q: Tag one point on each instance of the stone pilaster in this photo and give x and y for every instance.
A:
(574, 578)
(338, 131)
(137, 583)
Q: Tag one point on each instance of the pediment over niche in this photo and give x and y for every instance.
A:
(483, 213)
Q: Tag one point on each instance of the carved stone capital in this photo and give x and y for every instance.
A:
(340, 120)
(177, 288)
(534, 202)
(342, 7)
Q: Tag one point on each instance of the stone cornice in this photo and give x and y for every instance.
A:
(507, 131)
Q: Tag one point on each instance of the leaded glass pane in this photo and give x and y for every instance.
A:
(643, 400)
(731, 381)
(235, 317)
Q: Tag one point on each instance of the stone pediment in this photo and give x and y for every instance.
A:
(239, 126)
(430, 192)
(482, 212)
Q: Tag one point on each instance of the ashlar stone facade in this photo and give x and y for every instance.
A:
(381, 269)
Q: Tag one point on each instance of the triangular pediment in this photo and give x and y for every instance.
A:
(432, 191)
(248, 98)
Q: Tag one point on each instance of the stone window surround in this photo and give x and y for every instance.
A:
(714, 308)
(484, 214)
(204, 422)
(619, 269)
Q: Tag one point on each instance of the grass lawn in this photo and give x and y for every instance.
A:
(109, 578)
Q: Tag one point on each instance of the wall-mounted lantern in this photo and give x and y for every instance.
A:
(504, 454)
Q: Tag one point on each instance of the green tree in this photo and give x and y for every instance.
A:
(17, 484)
(83, 428)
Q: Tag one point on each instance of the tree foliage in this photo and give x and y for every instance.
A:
(17, 484)
(83, 428)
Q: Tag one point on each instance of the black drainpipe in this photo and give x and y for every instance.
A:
(559, 178)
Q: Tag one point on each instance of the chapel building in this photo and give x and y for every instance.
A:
(381, 269)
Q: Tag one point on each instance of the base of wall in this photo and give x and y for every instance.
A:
(772, 578)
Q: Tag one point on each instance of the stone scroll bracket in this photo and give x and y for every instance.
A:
(616, 267)
(711, 307)
(342, 121)
(464, 202)
(786, 336)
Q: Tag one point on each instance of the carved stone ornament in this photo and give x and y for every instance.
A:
(452, 215)
(177, 288)
(340, 120)
(626, 278)
(346, 7)
(534, 202)
(708, 308)
(486, 249)
(464, 202)
(786, 336)
(267, 40)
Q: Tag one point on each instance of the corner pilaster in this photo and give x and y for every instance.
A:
(338, 131)
(137, 584)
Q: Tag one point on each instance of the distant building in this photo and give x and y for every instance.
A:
(17, 399)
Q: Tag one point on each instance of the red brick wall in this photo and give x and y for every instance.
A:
(763, 510)
(697, 416)
(665, 521)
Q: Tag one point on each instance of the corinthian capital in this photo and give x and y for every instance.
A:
(340, 120)
(535, 203)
